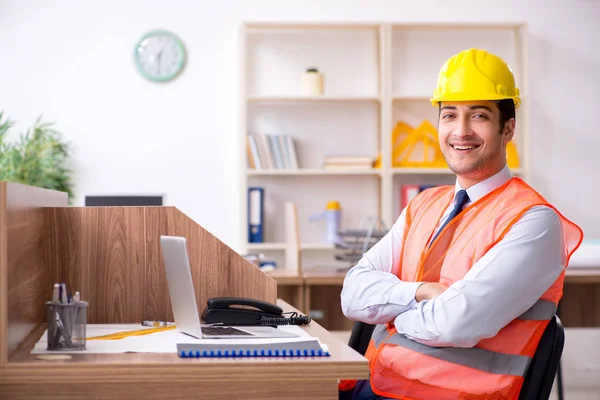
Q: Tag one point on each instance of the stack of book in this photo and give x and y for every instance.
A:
(348, 162)
(271, 152)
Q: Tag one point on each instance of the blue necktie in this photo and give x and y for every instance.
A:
(461, 199)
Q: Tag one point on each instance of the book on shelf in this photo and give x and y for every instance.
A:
(256, 214)
(268, 151)
(348, 162)
(250, 154)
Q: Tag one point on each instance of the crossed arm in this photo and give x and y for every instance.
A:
(499, 287)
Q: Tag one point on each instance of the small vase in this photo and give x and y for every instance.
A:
(312, 82)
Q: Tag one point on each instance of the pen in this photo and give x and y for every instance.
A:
(66, 321)
(76, 309)
(63, 330)
(55, 294)
(63, 294)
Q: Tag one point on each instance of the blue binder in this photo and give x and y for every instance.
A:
(256, 197)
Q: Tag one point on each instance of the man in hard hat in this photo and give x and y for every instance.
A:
(464, 284)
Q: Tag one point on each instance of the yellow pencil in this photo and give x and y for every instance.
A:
(124, 334)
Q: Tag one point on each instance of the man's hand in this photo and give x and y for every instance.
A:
(429, 290)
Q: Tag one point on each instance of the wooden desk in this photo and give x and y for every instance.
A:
(290, 287)
(580, 304)
(313, 291)
(150, 376)
(322, 291)
(583, 275)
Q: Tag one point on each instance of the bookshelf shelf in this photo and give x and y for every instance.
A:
(437, 171)
(317, 246)
(265, 246)
(294, 99)
(283, 246)
(468, 26)
(387, 76)
(411, 98)
(421, 171)
(312, 172)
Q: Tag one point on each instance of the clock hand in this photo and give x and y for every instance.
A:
(158, 58)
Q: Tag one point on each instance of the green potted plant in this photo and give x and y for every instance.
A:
(37, 158)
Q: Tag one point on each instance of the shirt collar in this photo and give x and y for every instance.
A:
(484, 187)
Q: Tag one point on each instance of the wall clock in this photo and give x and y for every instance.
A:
(159, 56)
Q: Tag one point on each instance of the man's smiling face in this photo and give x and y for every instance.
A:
(471, 139)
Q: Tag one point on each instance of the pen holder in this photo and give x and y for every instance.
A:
(66, 325)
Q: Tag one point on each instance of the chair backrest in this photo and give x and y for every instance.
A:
(361, 336)
(542, 370)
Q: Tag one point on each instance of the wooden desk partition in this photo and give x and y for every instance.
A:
(119, 247)
(25, 276)
(111, 255)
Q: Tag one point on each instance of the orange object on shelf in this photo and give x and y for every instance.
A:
(416, 147)
(377, 163)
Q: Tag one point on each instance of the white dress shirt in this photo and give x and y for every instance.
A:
(498, 288)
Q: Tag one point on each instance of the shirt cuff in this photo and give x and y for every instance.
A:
(410, 324)
(404, 294)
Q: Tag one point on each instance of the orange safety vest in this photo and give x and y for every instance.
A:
(495, 367)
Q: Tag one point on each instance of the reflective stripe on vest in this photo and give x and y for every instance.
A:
(481, 359)
(379, 334)
(473, 357)
(542, 310)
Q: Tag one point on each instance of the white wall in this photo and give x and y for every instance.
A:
(72, 62)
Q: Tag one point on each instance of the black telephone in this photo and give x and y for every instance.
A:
(234, 311)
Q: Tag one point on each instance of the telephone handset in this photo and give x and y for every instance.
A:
(235, 311)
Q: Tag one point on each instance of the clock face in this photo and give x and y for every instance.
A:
(159, 56)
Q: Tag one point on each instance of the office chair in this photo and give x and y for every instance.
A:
(540, 376)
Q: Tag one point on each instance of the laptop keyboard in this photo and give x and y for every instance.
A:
(223, 331)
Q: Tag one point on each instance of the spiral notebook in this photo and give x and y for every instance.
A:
(308, 347)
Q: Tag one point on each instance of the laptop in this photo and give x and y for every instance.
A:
(183, 299)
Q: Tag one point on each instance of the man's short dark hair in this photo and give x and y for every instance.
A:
(507, 111)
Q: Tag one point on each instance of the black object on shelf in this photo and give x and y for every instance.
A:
(116, 201)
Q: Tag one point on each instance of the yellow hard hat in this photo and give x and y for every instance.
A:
(475, 74)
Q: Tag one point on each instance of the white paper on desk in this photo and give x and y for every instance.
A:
(158, 342)
(587, 255)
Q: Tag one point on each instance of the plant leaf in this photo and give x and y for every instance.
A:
(38, 157)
